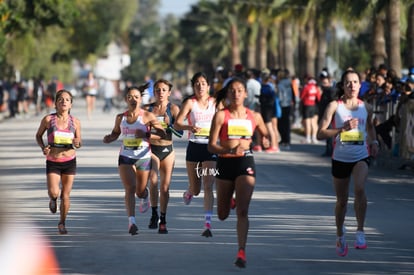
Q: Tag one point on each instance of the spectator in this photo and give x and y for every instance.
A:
(310, 97)
(286, 100)
(253, 91)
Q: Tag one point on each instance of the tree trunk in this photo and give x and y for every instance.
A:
(322, 49)
(311, 46)
(393, 14)
(410, 36)
(288, 48)
(251, 48)
(281, 47)
(273, 48)
(301, 52)
(235, 48)
(263, 47)
(379, 53)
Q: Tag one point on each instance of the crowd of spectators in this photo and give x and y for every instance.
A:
(304, 101)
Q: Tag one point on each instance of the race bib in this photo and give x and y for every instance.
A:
(63, 137)
(162, 122)
(352, 137)
(132, 142)
(239, 128)
(205, 129)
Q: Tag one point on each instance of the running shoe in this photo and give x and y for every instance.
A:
(62, 229)
(360, 242)
(341, 246)
(272, 150)
(187, 197)
(233, 203)
(144, 203)
(207, 233)
(133, 229)
(241, 259)
(153, 222)
(257, 148)
(162, 228)
(53, 205)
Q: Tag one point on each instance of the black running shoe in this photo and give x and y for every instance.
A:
(153, 222)
(53, 205)
(163, 229)
(62, 229)
(207, 233)
(241, 259)
(240, 263)
(133, 229)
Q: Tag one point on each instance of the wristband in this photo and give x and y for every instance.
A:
(375, 142)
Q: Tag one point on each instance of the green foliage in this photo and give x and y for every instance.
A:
(44, 36)
(354, 53)
(99, 23)
(145, 43)
(21, 16)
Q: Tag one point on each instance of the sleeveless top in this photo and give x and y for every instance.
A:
(168, 128)
(350, 146)
(60, 138)
(91, 87)
(133, 147)
(233, 128)
(201, 118)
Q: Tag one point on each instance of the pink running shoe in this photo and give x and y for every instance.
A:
(341, 246)
(257, 148)
(360, 242)
(233, 203)
(187, 197)
(272, 150)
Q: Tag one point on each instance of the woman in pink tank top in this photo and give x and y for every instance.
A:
(63, 137)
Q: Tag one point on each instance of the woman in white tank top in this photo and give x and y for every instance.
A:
(354, 134)
(135, 126)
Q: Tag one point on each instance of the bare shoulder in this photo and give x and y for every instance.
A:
(219, 115)
(174, 109)
(148, 116)
(256, 115)
(76, 121)
(332, 106)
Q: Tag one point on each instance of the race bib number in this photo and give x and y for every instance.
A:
(162, 122)
(205, 129)
(352, 137)
(132, 143)
(63, 137)
(239, 128)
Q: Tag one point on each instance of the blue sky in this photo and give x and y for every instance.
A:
(176, 7)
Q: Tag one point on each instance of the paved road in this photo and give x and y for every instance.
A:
(291, 214)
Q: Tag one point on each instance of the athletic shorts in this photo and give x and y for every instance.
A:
(61, 168)
(161, 151)
(197, 152)
(231, 168)
(267, 113)
(141, 164)
(309, 111)
(342, 170)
